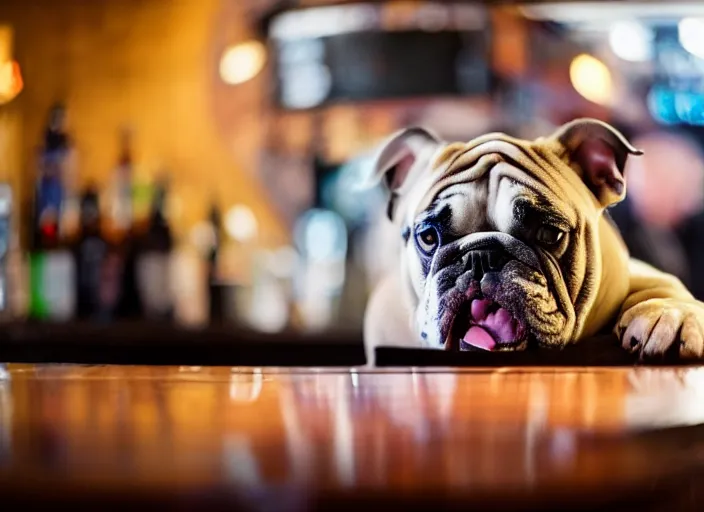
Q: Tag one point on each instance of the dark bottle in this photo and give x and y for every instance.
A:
(95, 283)
(122, 228)
(153, 262)
(215, 291)
(130, 302)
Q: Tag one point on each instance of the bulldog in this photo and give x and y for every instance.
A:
(507, 245)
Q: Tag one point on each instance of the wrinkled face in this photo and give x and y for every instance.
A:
(487, 262)
(502, 236)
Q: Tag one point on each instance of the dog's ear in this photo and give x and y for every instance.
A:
(598, 152)
(400, 159)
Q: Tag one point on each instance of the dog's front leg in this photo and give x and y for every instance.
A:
(660, 315)
(386, 321)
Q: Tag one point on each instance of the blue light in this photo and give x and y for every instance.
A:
(669, 106)
(661, 104)
(321, 236)
(690, 107)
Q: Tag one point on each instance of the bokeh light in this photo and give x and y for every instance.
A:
(11, 83)
(591, 79)
(242, 62)
(241, 224)
(631, 41)
(691, 36)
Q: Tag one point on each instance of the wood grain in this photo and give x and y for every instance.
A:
(299, 439)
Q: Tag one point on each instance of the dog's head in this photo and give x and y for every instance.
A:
(505, 240)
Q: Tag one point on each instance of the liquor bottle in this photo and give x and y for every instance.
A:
(153, 262)
(5, 248)
(120, 200)
(126, 249)
(215, 291)
(97, 283)
(52, 268)
(50, 190)
(121, 223)
(13, 264)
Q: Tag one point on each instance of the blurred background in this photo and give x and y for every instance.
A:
(194, 162)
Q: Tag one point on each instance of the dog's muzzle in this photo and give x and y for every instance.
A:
(476, 321)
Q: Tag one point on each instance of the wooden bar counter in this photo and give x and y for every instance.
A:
(217, 438)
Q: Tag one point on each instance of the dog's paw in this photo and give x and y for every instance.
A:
(657, 327)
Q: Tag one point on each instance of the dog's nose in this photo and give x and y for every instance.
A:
(481, 261)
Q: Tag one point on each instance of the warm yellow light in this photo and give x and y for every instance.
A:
(242, 62)
(241, 224)
(592, 79)
(10, 81)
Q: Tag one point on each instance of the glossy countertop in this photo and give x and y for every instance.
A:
(503, 436)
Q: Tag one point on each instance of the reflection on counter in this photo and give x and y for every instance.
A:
(455, 430)
(5, 418)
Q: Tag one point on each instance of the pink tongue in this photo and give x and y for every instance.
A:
(478, 337)
(480, 309)
(502, 325)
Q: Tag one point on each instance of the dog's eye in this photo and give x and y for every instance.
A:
(427, 239)
(549, 235)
